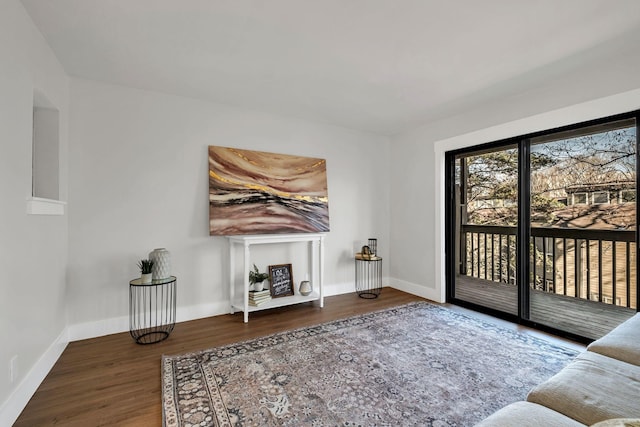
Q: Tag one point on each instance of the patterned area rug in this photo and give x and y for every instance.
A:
(413, 365)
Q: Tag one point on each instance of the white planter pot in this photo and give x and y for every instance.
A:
(146, 278)
(161, 263)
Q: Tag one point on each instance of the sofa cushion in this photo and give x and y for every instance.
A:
(592, 388)
(619, 422)
(622, 343)
(527, 414)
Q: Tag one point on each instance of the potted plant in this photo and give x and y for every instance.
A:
(145, 265)
(256, 278)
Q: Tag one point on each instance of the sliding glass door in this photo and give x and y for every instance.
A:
(542, 228)
(583, 227)
(486, 204)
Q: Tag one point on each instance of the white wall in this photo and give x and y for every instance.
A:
(33, 248)
(139, 180)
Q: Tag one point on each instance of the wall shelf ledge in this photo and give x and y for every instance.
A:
(41, 206)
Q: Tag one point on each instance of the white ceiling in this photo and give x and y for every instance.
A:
(376, 65)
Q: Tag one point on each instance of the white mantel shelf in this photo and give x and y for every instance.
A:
(240, 300)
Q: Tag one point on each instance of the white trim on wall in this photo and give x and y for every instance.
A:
(116, 325)
(432, 294)
(17, 401)
(120, 324)
(40, 206)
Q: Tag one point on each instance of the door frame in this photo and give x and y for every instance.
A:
(523, 226)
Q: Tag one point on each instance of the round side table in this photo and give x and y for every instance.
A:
(152, 309)
(368, 277)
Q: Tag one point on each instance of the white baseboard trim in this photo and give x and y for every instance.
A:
(116, 325)
(184, 314)
(432, 294)
(99, 328)
(338, 289)
(13, 406)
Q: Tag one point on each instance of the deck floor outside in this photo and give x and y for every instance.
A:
(584, 318)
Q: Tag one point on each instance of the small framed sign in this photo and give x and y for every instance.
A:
(281, 280)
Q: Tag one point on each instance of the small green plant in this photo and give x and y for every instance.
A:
(145, 266)
(255, 276)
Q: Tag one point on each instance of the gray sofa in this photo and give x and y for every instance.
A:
(601, 386)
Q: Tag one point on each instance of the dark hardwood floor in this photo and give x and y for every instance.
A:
(113, 381)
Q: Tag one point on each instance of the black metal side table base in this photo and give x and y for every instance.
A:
(150, 337)
(368, 295)
(152, 310)
(368, 277)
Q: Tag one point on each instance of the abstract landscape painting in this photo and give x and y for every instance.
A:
(254, 192)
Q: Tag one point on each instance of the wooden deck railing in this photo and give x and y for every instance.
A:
(596, 265)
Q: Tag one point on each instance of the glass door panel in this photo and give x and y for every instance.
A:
(486, 212)
(583, 219)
